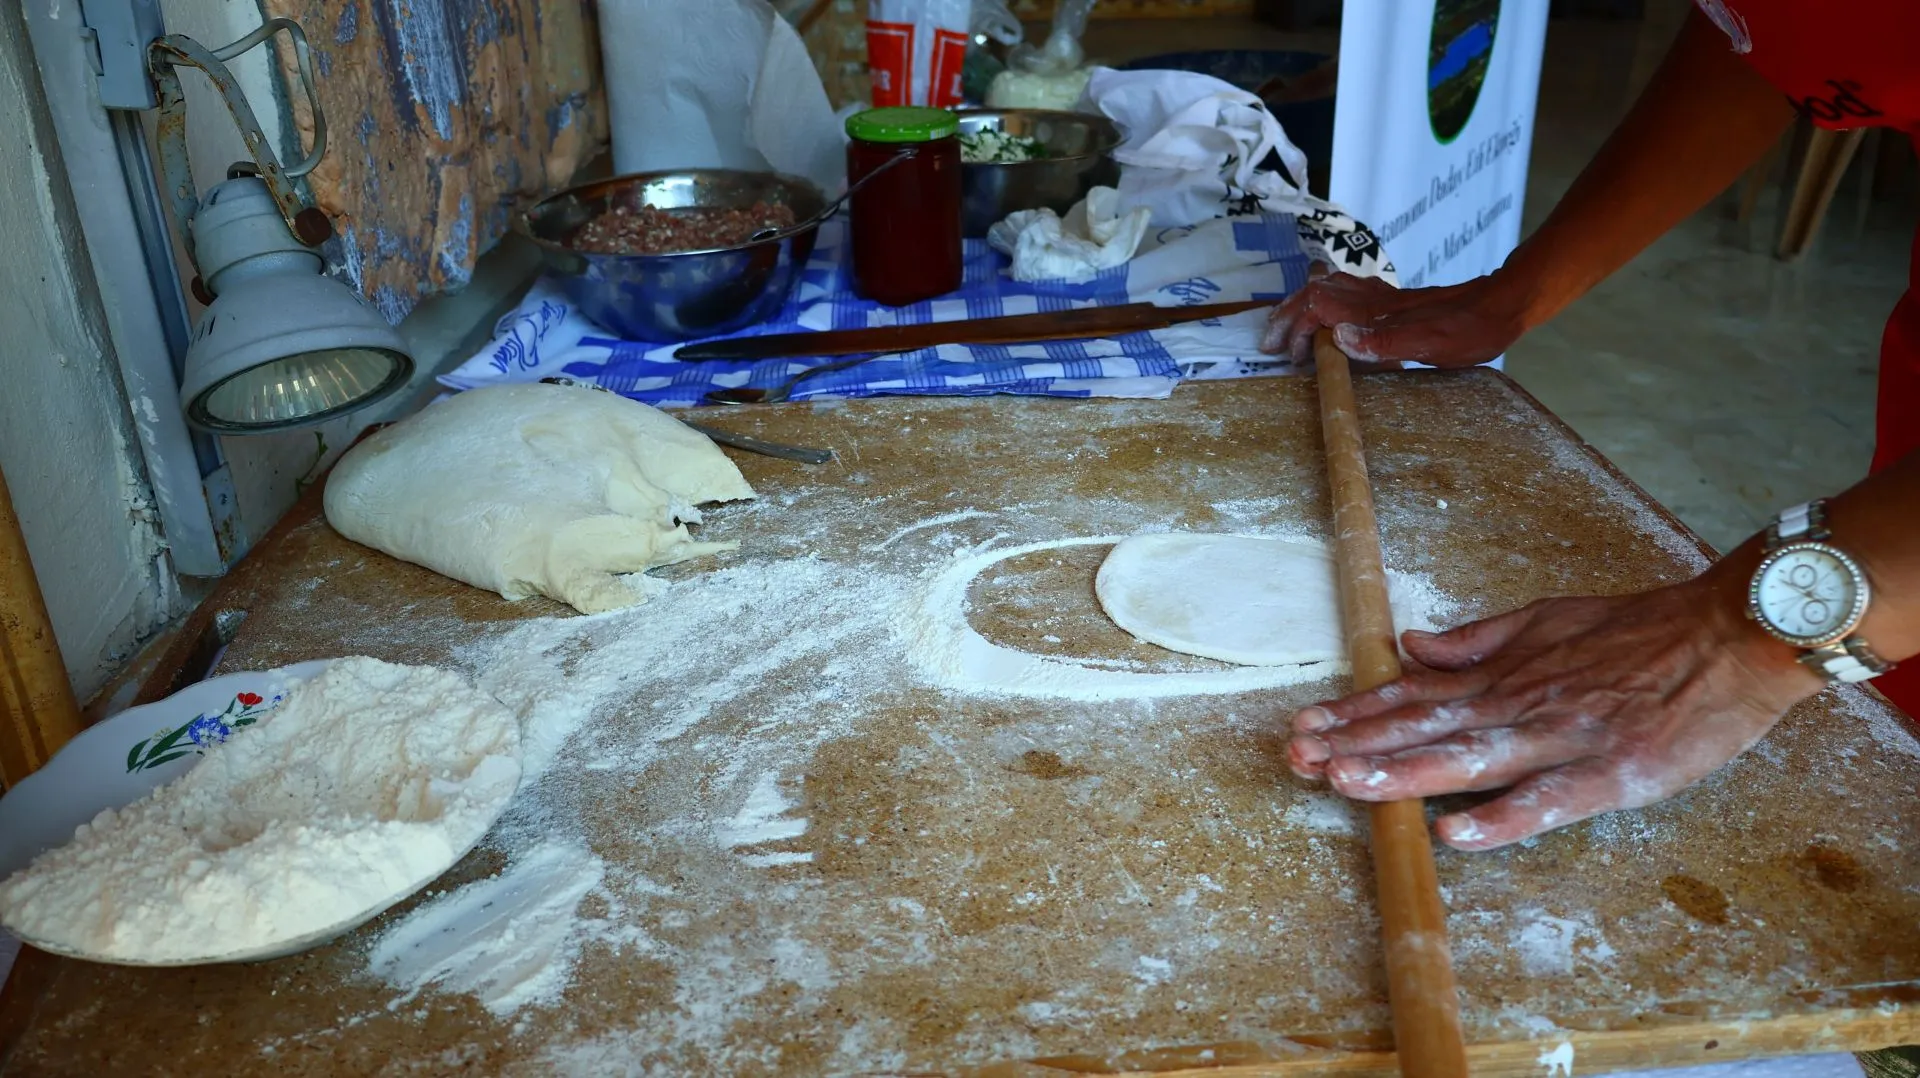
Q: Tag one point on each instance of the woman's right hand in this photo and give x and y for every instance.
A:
(1373, 322)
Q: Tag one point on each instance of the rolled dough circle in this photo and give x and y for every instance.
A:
(1237, 598)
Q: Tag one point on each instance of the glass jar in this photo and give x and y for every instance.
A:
(906, 223)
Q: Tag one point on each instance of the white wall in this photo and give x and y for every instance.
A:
(65, 434)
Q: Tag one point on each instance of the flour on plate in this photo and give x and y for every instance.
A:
(367, 783)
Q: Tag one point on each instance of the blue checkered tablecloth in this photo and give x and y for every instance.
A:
(1255, 257)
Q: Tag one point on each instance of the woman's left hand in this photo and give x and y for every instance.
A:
(1581, 706)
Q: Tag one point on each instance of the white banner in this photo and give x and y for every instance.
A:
(1433, 124)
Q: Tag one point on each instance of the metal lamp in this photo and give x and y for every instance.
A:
(281, 345)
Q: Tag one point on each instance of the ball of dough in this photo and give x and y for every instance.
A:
(534, 490)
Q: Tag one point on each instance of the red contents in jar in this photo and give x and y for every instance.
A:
(906, 223)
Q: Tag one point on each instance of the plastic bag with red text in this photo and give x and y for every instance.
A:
(916, 49)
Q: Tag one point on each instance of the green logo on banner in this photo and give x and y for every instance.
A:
(1457, 57)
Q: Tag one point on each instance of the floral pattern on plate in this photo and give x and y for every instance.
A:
(209, 728)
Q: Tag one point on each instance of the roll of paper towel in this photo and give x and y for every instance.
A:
(715, 84)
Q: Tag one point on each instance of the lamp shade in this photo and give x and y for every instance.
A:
(282, 346)
(283, 351)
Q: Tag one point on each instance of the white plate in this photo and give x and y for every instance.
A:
(122, 759)
(113, 763)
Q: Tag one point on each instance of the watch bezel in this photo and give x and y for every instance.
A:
(1862, 593)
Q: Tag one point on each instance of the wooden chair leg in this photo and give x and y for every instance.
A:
(1828, 153)
(38, 713)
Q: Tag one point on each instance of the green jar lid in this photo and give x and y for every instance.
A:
(902, 125)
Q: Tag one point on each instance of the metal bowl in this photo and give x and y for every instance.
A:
(1078, 148)
(687, 294)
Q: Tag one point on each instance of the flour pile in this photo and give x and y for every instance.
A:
(367, 783)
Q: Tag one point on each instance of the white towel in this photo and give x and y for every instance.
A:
(1194, 146)
(1093, 236)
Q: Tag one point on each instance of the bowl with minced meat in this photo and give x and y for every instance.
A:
(673, 256)
(1027, 159)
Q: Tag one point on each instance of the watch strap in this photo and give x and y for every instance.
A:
(1803, 523)
(1848, 660)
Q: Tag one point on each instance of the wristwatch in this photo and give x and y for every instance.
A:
(1809, 593)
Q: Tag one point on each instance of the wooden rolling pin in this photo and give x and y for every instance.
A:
(1413, 924)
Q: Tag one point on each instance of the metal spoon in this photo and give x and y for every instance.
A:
(801, 453)
(781, 392)
(773, 231)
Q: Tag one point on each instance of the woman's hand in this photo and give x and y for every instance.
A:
(1703, 119)
(1582, 706)
(1374, 322)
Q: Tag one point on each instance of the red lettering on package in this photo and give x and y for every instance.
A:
(949, 56)
(890, 58)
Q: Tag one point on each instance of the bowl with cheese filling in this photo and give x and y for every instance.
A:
(1028, 159)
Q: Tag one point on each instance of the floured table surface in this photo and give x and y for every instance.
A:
(840, 825)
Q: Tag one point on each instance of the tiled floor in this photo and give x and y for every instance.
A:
(1725, 382)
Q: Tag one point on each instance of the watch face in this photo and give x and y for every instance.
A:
(1809, 593)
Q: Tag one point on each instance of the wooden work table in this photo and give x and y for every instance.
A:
(1123, 884)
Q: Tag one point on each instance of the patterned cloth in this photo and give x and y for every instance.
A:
(1255, 256)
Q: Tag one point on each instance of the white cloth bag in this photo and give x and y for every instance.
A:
(1194, 146)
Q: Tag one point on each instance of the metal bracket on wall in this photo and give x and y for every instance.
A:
(308, 224)
(117, 33)
(216, 475)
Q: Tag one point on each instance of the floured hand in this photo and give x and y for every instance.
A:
(1581, 706)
